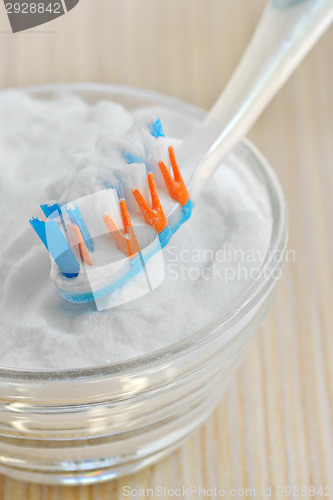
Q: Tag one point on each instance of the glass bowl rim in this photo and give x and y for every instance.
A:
(249, 299)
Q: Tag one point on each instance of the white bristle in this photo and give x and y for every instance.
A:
(134, 176)
(65, 215)
(156, 150)
(94, 206)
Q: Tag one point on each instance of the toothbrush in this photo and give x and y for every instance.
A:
(286, 32)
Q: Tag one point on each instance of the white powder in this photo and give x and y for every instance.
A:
(209, 262)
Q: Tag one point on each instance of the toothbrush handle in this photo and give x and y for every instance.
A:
(286, 32)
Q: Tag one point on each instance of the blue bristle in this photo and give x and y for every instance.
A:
(117, 186)
(53, 210)
(131, 158)
(49, 209)
(76, 217)
(156, 129)
(56, 243)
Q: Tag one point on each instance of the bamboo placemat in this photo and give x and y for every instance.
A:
(274, 426)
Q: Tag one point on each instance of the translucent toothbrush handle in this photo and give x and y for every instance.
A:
(286, 32)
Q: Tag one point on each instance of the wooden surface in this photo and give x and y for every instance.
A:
(274, 426)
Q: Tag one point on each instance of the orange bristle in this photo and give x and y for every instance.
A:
(129, 246)
(76, 238)
(154, 216)
(176, 185)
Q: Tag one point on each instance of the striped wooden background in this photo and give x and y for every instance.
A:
(274, 427)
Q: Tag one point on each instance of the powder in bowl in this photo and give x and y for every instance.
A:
(209, 263)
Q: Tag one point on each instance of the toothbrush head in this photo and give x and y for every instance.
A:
(141, 205)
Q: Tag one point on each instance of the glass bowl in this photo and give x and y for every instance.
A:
(91, 425)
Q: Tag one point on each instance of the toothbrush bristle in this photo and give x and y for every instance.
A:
(128, 245)
(156, 129)
(51, 235)
(154, 216)
(176, 186)
(134, 176)
(131, 158)
(76, 239)
(50, 208)
(76, 217)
